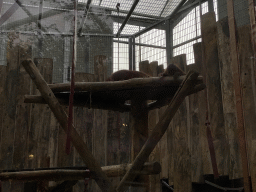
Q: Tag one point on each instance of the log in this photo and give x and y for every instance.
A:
(97, 173)
(115, 85)
(109, 106)
(159, 130)
(99, 105)
(149, 168)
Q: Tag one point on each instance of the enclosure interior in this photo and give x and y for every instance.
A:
(158, 30)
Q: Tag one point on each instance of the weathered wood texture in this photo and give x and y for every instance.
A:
(205, 154)
(154, 184)
(59, 113)
(245, 54)
(216, 116)
(99, 131)
(181, 138)
(159, 130)
(139, 127)
(83, 121)
(228, 97)
(195, 128)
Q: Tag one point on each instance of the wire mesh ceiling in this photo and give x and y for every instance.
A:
(150, 8)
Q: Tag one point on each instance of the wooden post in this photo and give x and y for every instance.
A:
(159, 130)
(83, 121)
(99, 131)
(205, 154)
(247, 76)
(181, 132)
(139, 125)
(216, 117)
(195, 131)
(238, 94)
(154, 180)
(228, 97)
(77, 141)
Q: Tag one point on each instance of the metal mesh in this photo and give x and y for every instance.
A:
(240, 9)
(151, 46)
(188, 32)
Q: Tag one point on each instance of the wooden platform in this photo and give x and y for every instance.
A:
(112, 95)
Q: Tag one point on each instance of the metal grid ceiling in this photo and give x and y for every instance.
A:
(154, 8)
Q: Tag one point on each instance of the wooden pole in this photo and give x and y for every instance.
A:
(159, 129)
(238, 94)
(149, 168)
(97, 173)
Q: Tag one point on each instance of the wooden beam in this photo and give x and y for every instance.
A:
(149, 168)
(159, 129)
(238, 95)
(97, 173)
(126, 84)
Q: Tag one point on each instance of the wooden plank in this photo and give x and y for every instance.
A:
(10, 101)
(245, 51)
(195, 131)
(159, 130)
(99, 131)
(216, 116)
(77, 141)
(83, 121)
(182, 161)
(238, 94)
(139, 127)
(206, 160)
(154, 180)
(2, 83)
(228, 97)
(20, 154)
(144, 66)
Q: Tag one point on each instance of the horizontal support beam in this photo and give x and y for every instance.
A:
(186, 42)
(140, 44)
(126, 84)
(149, 168)
(106, 106)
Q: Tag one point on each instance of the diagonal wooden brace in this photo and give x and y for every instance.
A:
(187, 85)
(95, 169)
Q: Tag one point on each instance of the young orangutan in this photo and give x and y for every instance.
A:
(126, 74)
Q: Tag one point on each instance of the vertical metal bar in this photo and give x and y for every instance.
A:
(169, 41)
(210, 6)
(238, 94)
(133, 54)
(130, 53)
